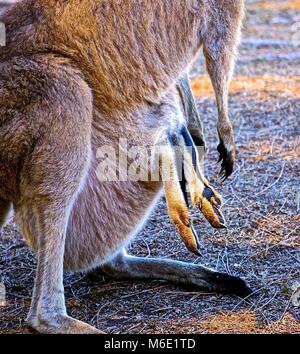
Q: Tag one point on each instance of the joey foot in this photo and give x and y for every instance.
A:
(208, 201)
(186, 230)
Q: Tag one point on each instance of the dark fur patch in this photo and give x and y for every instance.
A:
(227, 159)
(229, 284)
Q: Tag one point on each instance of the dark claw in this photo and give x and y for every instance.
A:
(196, 252)
(210, 204)
(224, 176)
(220, 217)
(228, 284)
(227, 159)
(208, 194)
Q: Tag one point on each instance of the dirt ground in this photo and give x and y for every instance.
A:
(262, 204)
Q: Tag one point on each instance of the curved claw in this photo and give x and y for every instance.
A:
(209, 207)
(186, 231)
(227, 158)
(213, 214)
(197, 240)
(189, 237)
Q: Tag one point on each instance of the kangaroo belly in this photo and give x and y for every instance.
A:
(104, 217)
(106, 214)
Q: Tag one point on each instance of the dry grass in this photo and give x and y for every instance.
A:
(259, 87)
(229, 323)
(276, 5)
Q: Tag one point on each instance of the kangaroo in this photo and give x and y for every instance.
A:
(77, 75)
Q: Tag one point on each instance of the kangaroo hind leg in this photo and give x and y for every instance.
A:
(50, 200)
(125, 266)
(50, 180)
